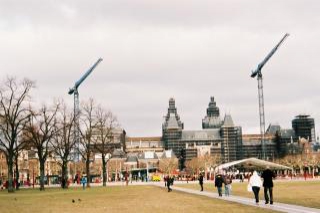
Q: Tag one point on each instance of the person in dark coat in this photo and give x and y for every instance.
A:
(169, 183)
(267, 176)
(172, 180)
(201, 181)
(63, 183)
(241, 177)
(218, 183)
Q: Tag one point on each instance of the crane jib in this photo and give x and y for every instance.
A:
(272, 52)
(266, 59)
(77, 84)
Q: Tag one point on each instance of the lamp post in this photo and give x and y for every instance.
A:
(127, 176)
(116, 174)
(33, 176)
(48, 181)
(147, 171)
(205, 170)
(210, 172)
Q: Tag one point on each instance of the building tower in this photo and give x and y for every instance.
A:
(231, 146)
(304, 127)
(172, 129)
(212, 119)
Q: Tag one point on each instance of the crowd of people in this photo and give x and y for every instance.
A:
(255, 182)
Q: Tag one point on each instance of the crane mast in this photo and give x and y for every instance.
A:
(257, 72)
(74, 91)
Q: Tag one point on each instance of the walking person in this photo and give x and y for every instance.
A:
(267, 176)
(84, 182)
(241, 177)
(168, 183)
(201, 181)
(171, 180)
(227, 185)
(218, 183)
(255, 183)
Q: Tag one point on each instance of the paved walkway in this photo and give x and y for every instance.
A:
(250, 201)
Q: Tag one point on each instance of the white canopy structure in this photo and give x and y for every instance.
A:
(251, 163)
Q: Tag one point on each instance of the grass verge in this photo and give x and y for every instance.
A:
(122, 199)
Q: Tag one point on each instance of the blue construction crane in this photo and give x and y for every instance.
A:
(257, 72)
(74, 90)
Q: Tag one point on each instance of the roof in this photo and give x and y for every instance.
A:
(212, 122)
(228, 122)
(273, 128)
(257, 143)
(148, 155)
(196, 135)
(252, 163)
(255, 137)
(117, 153)
(287, 133)
(172, 122)
(168, 154)
(132, 158)
(134, 139)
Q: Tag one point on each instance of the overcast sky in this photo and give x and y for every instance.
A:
(156, 49)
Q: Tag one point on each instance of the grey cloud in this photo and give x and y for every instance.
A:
(83, 13)
(154, 50)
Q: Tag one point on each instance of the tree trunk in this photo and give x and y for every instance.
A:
(64, 175)
(104, 171)
(313, 172)
(42, 162)
(88, 170)
(16, 179)
(10, 174)
(17, 172)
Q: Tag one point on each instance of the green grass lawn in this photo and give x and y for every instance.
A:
(304, 193)
(122, 199)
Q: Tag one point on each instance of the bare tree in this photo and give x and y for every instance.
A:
(87, 125)
(193, 166)
(203, 163)
(14, 97)
(63, 140)
(39, 132)
(314, 161)
(104, 141)
(207, 161)
(168, 165)
(290, 160)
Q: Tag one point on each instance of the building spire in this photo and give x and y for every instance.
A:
(212, 119)
(172, 119)
(172, 106)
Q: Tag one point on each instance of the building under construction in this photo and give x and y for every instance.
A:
(221, 137)
(304, 127)
(218, 136)
(289, 141)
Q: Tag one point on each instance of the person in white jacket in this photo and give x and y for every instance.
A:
(256, 183)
